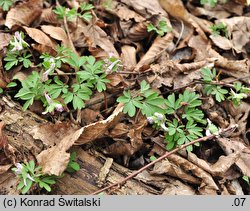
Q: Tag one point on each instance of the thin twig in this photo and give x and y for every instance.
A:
(161, 158)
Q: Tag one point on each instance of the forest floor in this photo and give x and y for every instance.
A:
(140, 97)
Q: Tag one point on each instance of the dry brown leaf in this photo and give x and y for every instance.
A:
(168, 168)
(40, 37)
(124, 13)
(119, 130)
(221, 42)
(128, 57)
(239, 28)
(146, 8)
(49, 16)
(176, 9)
(52, 134)
(104, 171)
(5, 168)
(237, 145)
(24, 13)
(159, 45)
(217, 169)
(59, 34)
(4, 40)
(98, 38)
(55, 159)
(176, 187)
(197, 171)
(89, 116)
(97, 129)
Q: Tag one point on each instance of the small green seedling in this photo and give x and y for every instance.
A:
(73, 166)
(246, 178)
(147, 100)
(210, 88)
(6, 4)
(220, 29)
(160, 29)
(17, 52)
(211, 3)
(71, 14)
(29, 174)
(236, 95)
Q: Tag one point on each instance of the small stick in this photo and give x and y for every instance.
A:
(205, 138)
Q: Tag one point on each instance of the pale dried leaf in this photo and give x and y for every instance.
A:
(97, 129)
(4, 40)
(146, 8)
(52, 134)
(4, 168)
(221, 42)
(168, 168)
(159, 45)
(40, 37)
(59, 34)
(98, 38)
(128, 57)
(55, 159)
(24, 13)
(198, 172)
(176, 187)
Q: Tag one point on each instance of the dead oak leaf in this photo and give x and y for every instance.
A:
(97, 129)
(59, 34)
(98, 38)
(55, 159)
(24, 13)
(40, 37)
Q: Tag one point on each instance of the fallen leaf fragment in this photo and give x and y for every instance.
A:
(97, 129)
(55, 159)
(159, 45)
(40, 37)
(24, 13)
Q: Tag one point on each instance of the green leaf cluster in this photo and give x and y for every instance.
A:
(73, 166)
(179, 134)
(210, 88)
(6, 4)
(71, 14)
(13, 58)
(160, 29)
(146, 99)
(211, 3)
(186, 117)
(237, 92)
(220, 29)
(31, 174)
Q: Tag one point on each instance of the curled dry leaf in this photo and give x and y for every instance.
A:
(217, 169)
(159, 45)
(168, 168)
(59, 34)
(97, 129)
(55, 159)
(237, 145)
(124, 13)
(176, 9)
(128, 57)
(146, 8)
(4, 168)
(40, 37)
(4, 40)
(176, 187)
(24, 13)
(197, 171)
(49, 16)
(98, 38)
(51, 134)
